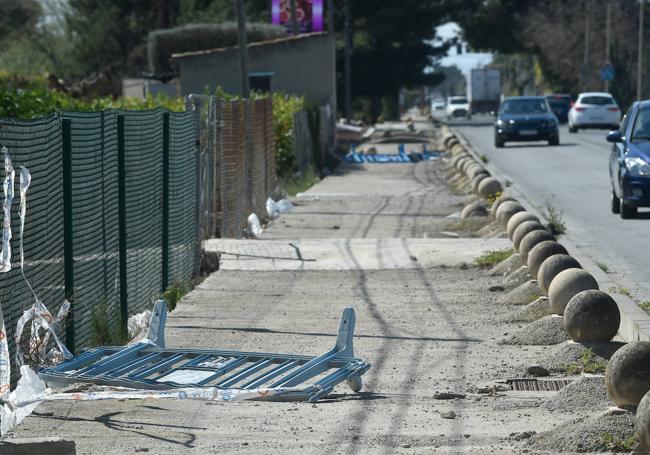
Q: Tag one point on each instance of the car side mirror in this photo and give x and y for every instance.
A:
(614, 136)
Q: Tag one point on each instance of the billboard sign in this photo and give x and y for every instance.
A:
(309, 14)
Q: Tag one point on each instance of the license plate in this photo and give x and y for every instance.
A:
(528, 132)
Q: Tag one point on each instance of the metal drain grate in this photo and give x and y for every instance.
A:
(538, 385)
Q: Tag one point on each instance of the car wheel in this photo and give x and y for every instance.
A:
(615, 203)
(627, 211)
(499, 143)
(555, 141)
(572, 129)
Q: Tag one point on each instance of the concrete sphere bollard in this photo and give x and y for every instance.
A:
(530, 240)
(517, 219)
(591, 316)
(473, 171)
(461, 162)
(565, 285)
(489, 188)
(500, 200)
(466, 165)
(552, 266)
(477, 180)
(506, 210)
(476, 208)
(643, 422)
(628, 374)
(454, 161)
(540, 253)
(523, 229)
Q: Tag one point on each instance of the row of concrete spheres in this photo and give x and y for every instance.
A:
(589, 314)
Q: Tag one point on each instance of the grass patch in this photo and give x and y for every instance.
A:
(508, 183)
(174, 294)
(616, 444)
(490, 258)
(104, 331)
(555, 219)
(484, 158)
(299, 183)
(602, 266)
(645, 305)
(586, 364)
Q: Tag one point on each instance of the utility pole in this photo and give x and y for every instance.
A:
(585, 58)
(639, 68)
(608, 37)
(243, 49)
(348, 62)
(294, 18)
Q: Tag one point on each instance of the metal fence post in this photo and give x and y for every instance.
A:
(121, 186)
(68, 251)
(165, 203)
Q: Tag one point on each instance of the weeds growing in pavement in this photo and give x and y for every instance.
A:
(174, 294)
(484, 158)
(620, 290)
(602, 266)
(586, 364)
(105, 330)
(508, 183)
(493, 257)
(491, 199)
(645, 305)
(616, 444)
(300, 182)
(554, 216)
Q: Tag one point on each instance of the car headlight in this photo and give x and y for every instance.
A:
(499, 122)
(549, 124)
(637, 166)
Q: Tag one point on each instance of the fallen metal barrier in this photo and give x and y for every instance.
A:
(149, 365)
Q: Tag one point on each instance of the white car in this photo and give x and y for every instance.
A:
(594, 110)
(438, 105)
(458, 106)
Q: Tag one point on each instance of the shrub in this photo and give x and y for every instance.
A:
(284, 109)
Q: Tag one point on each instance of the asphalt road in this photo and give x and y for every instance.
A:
(575, 176)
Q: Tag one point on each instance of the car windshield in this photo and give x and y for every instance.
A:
(597, 100)
(525, 106)
(458, 101)
(641, 128)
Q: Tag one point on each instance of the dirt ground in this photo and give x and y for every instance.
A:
(425, 328)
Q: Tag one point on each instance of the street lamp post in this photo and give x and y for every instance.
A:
(640, 56)
(607, 37)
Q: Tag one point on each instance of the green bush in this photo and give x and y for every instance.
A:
(284, 109)
(28, 98)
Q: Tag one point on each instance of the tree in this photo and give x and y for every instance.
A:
(391, 49)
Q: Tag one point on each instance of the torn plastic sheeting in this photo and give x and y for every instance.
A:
(275, 209)
(254, 225)
(31, 390)
(38, 313)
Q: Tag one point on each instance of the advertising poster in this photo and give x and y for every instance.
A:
(309, 15)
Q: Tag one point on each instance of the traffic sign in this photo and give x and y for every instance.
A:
(607, 72)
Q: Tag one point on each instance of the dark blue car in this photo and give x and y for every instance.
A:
(526, 118)
(629, 163)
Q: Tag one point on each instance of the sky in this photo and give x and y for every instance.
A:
(466, 61)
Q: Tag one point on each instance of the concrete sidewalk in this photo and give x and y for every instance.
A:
(424, 320)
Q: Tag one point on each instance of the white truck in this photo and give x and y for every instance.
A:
(484, 90)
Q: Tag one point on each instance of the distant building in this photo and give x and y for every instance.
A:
(301, 65)
(141, 88)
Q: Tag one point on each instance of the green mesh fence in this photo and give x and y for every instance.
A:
(183, 216)
(143, 142)
(95, 211)
(37, 145)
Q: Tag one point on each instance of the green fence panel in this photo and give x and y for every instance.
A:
(183, 216)
(94, 218)
(37, 145)
(143, 142)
